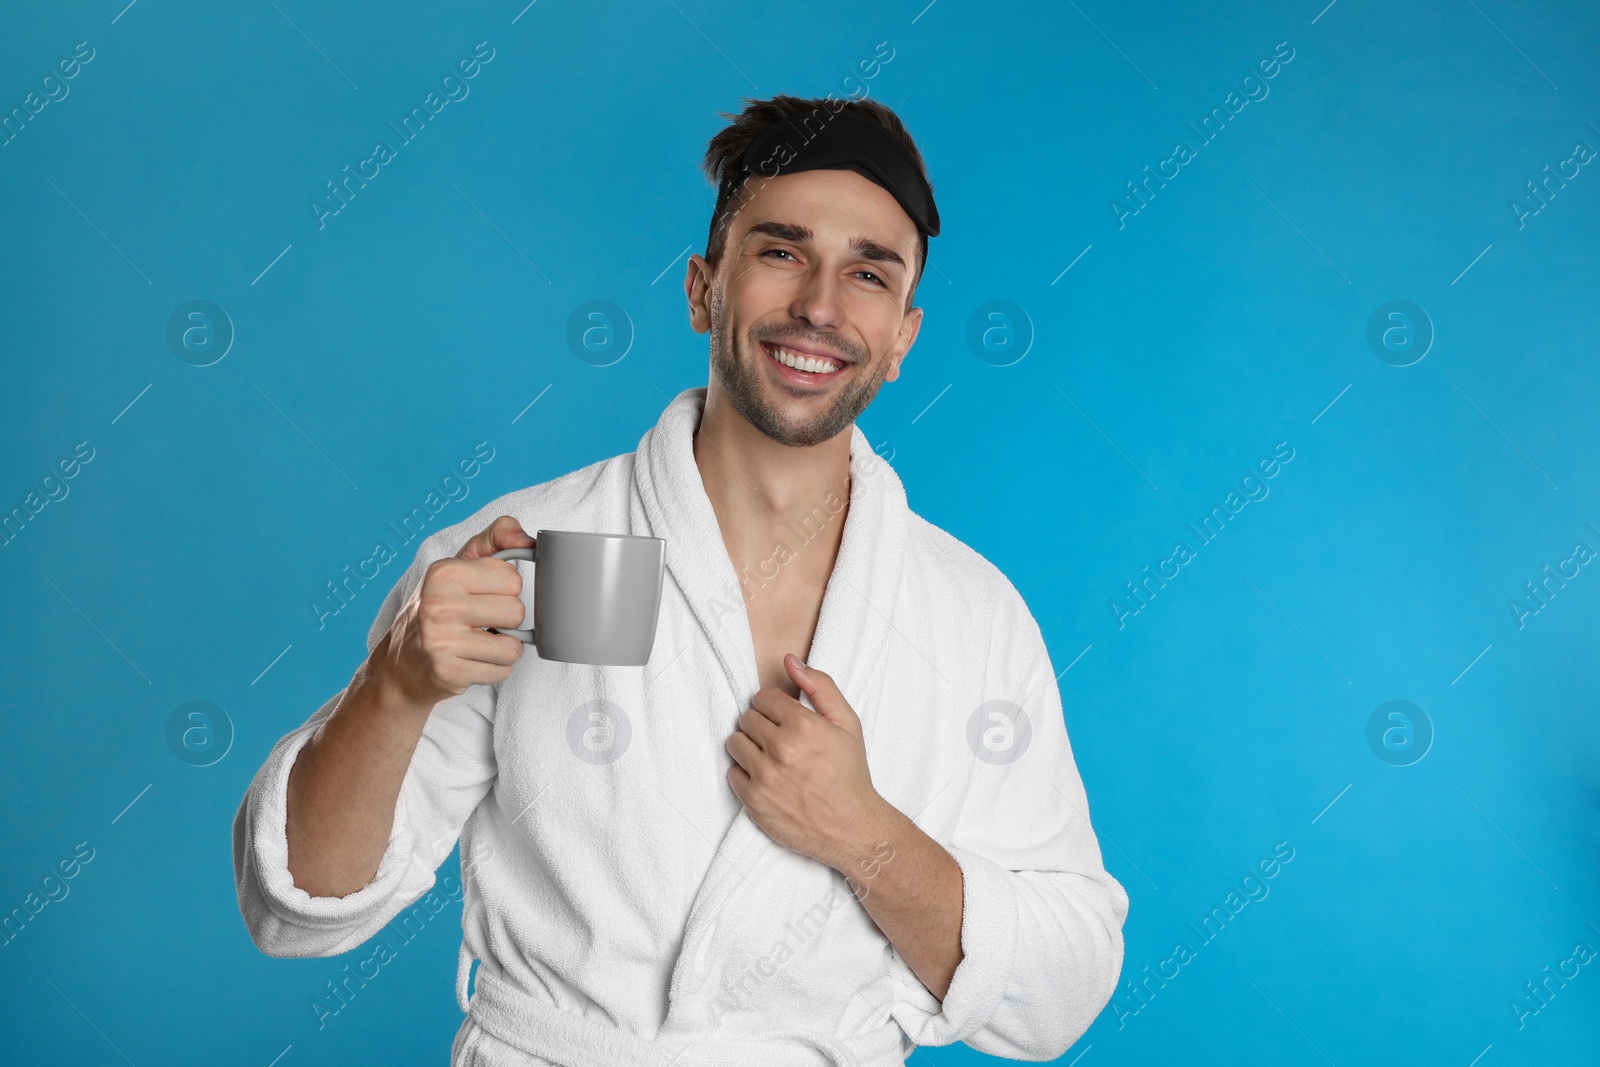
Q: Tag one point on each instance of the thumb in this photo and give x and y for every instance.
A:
(504, 532)
(824, 693)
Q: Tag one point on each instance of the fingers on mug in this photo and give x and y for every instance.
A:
(532, 556)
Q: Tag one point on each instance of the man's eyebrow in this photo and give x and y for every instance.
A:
(864, 247)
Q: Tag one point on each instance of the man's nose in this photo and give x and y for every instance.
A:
(817, 302)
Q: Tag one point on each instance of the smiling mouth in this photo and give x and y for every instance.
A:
(814, 368)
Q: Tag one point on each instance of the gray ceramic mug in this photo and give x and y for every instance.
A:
(596, 596)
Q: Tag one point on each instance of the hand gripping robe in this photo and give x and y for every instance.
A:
(623, 906)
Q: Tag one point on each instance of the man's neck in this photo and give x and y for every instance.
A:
(781, 511)
(753, 480)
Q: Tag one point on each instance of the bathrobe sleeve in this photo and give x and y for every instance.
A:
(450, 771)
(1041, 927)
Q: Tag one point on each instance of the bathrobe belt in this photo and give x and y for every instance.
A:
(539, 1028)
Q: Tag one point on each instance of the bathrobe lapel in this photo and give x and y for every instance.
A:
(851, 640)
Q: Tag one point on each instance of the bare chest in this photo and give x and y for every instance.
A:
(783, 619)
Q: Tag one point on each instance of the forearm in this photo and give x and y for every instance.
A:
(346, 780)
(912, 888)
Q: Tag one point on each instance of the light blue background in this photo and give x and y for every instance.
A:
(1223, 318)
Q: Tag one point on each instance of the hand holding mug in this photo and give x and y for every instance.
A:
(597, 599)
(437, 645)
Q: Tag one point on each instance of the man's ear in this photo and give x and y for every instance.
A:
(697, 288)
(909, 326)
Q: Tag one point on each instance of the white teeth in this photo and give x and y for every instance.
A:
(805, 363)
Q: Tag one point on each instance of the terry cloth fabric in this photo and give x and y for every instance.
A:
(623, 906)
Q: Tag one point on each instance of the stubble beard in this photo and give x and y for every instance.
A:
(742, 380)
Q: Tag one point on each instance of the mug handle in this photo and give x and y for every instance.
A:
(532, 556)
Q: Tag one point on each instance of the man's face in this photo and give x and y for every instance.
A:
(817, 264)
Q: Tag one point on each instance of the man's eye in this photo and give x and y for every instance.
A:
(877, 280)
(769, 251)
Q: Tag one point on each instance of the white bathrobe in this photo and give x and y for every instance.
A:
(623, 906)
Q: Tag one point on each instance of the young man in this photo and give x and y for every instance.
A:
(836, 815)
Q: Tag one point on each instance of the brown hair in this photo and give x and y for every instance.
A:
(722, 163)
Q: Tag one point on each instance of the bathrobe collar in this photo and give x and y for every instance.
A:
(853, 627)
